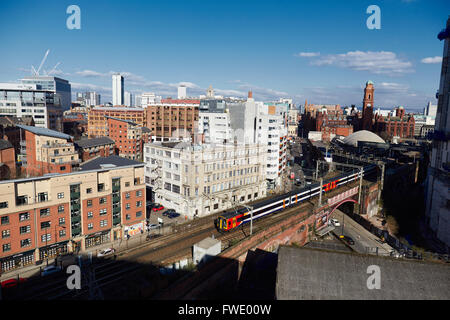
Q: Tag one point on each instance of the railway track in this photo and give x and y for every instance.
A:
(160, 251)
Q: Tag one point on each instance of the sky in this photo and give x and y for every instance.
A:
(319, 51)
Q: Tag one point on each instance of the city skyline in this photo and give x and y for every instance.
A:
(260, 47)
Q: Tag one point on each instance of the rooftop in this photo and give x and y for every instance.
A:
(207, 243)
(363, 136)
(328, 274)
(94, 142)
(123, 120)
(45, 132)
(5, 144)
(108, 162)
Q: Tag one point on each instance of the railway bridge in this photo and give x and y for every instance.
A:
(299, 226)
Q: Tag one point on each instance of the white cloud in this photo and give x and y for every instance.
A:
(387, 95)
(89, 74)
(429, 60)
(307, 54)
(378, 62)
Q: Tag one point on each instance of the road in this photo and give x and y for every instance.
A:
(365, 242)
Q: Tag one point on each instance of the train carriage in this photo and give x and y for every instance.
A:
(235, 218)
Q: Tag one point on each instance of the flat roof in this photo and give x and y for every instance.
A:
(93, 142)
(108, 163)
(207, 243)
(305, 274)
(45, 132)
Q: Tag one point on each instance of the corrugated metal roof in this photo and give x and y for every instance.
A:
(45, 132)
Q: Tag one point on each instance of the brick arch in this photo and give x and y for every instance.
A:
(340, 203)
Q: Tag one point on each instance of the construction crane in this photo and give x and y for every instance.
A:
(35, 72)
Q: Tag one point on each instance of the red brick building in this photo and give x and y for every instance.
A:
(129, 137)
(367, 112)
(46, 151)
(401, 125)
(173, 118)
(95, 147)
(97, 123)
(47, 216)
(7, 160)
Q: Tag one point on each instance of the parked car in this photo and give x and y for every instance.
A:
(168, 212)
(335, 222)
(106, 252)
(153, 226)
(173, 215)
(50, 270)
(348, 240)
(11, 283)
(157, 207)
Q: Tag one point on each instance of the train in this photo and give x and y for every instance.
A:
(235, 218)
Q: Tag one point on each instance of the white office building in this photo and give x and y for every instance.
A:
(19, 100)
(61, 88)
(182, 92)
(198, 180)
(128, 100)
(215, 127)
(117, 90)
(147, 98)
(265, 124)
(430, 110)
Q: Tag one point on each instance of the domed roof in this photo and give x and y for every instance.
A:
(364, 136)
(369, 82)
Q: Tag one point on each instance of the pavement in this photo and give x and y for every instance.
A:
(365, 242)
(120, 245)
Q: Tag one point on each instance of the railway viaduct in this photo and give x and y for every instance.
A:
(298, 228)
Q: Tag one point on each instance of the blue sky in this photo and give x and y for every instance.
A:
(321, 51)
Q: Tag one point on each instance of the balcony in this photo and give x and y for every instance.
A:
(116, 221)
(76, 231)
(116, 198)
(23, 143)
(116, 210)
(75, 206)
(75, 195)
(75, 218)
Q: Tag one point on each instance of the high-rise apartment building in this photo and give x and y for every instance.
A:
(128, 100)
(182, 92)
(117, 90)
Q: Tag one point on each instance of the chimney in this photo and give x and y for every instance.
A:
(250, 94)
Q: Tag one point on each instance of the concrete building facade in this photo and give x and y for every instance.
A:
(197, 180)
(438, 187)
